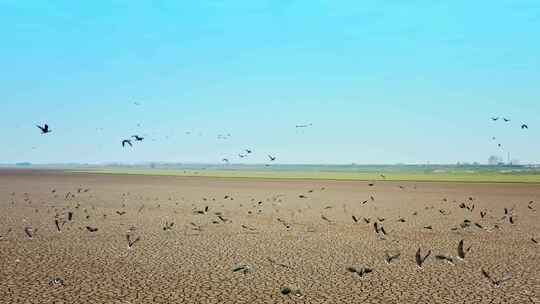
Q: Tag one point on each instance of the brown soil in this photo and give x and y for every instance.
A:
(266, 225)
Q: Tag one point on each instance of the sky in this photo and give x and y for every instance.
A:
(381, 82)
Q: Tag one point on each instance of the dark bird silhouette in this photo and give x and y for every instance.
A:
(126, 141)
(131, 243)
(248, 228)
(461, 250)
(248, 151)
(91, 229)
(376, 226)
(245, 269)
(120, 212)
(506, 119)
(534, 240)
(57, 225)
(45, 129)
(168, 226)
(137, 137)
(419, 259)
(524, 126)
(355, 219)
(444, 258)
(482, 214)
(511, 219)
(389, 258)
(29, 231)
(494, 118)
(225, 160)
(379, 228)
(272, 158)
(241, 155)
(56, 281)
(361, 272)
(325, 218)
(493, 281)
(70, 216)
(367, 220)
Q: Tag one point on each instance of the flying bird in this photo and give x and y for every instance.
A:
(245, 269)
(462, 251)
(45, 129)
(272, 158)
(248, 151)
(137, 137)
(389, 258)
(361, 272)
(56, 281)
(493, 281)
(131, 243)
(494, 118)
(126, 141)
(91, 229)
(506, 119)
(524, 126)
(419, 259)
(57, 225)
(28, 231)
(445, 258)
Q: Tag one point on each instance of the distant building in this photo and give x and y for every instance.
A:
(494, 160)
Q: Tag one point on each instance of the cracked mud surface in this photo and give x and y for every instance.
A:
(192, 261)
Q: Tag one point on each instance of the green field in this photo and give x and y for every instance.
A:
(476, 174)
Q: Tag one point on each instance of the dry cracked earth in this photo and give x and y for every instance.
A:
(209, 240)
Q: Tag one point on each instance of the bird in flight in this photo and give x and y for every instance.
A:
(91, 229)
(524, 126)
(242, 155)
(461, 250)
(45, 129)
(419, 259)
(506, 119)
(389, 258)
(137, 137)
(272, 158)
(494, 118)
(248, 151)
(225, 160)
(126, 141)
(493, 281)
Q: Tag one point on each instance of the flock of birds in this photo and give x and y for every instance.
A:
(137, 138)
(420, 257)
(524, 126)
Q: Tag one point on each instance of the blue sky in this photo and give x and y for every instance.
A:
(381, 81)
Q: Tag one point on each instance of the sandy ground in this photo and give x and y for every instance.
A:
(276, 228)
